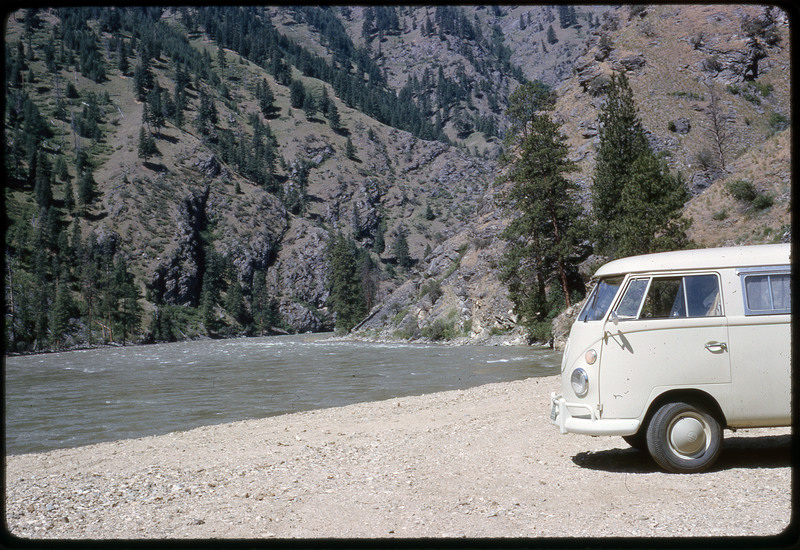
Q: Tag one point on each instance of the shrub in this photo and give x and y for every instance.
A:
(763, 89)
(432, 287)
(599, 85)
(540, 331)
(752, 98)
(778, 122)
(705, 158)
(440, 329)
(742, 190)
(763, 201)
(721, 215)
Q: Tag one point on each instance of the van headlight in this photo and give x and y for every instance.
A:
(580, 382)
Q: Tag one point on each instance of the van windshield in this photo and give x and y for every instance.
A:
(600, 299)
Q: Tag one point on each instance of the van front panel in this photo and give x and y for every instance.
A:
(665, 331)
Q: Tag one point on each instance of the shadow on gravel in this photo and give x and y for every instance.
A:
(737, 452)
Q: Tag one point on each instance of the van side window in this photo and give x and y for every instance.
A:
(665, 299)
(688, 296)
(629, 305)
(767, 294)
(600, 299)
(702, 296)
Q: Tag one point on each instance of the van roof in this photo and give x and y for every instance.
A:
(706, 258)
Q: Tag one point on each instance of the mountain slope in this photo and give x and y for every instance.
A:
(242, 190)
(676, 58)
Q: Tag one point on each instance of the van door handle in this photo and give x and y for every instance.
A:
(716, 347)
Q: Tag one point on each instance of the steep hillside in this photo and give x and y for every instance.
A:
(274, 129)
(193, 204)
(679, 60)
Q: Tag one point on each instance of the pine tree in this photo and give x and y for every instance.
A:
(346, 298)
(147, 145)
(350, 149)
(122, 56)
(543, 236)
(43, 190)
(155, 110)
(60, 168)
(128, 315)
(266, 98)
(69, 197)
(310, 106)
(297, 94)
(86, 189)
(379, 244)
(64, 309)
(627, 174)
(400, 249)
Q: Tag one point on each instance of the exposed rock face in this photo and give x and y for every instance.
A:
(178, 280)
(299, 275)
(455, 295)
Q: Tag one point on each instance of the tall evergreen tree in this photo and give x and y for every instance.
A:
(401, 250)
(64, 309)
(379, 244)
(266, 99)
(147, 145)
(297, 94)
(43, 190)
(636, 202)
(123, 297)
(543, 237)
(86, 190)
(551, 35)
(346, 298)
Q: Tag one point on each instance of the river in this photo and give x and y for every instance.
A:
(77, 398)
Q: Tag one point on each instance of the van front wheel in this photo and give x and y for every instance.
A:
(684, 438)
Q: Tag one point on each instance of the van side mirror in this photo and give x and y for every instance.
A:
(614, 318)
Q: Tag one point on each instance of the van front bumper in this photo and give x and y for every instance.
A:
(589, 423)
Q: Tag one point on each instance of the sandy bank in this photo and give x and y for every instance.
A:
(483, 462)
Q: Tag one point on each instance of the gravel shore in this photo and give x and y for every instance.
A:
(482, 462)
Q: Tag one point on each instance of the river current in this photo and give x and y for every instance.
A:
(82, 397)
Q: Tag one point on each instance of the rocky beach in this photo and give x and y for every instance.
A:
(475, 463)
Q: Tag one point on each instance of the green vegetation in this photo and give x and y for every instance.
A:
(443, 328)
(688, 95)
(720, 215)
(777, 122)
(637, 202)
(542, 238)
(742, 190)
(351, 281)
(763, 201)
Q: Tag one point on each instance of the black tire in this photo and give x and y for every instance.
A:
(638, 440)
(684, 437)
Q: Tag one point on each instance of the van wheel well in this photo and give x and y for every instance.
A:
(696, 397)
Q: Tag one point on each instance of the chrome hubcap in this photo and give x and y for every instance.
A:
(687, 435)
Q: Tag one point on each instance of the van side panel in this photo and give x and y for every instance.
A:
(760, 371)
(640, 355)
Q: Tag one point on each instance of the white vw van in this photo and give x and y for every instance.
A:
(672, 348)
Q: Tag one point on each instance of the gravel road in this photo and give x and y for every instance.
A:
(483, 462)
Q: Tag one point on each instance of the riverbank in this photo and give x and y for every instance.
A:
(482, 462)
